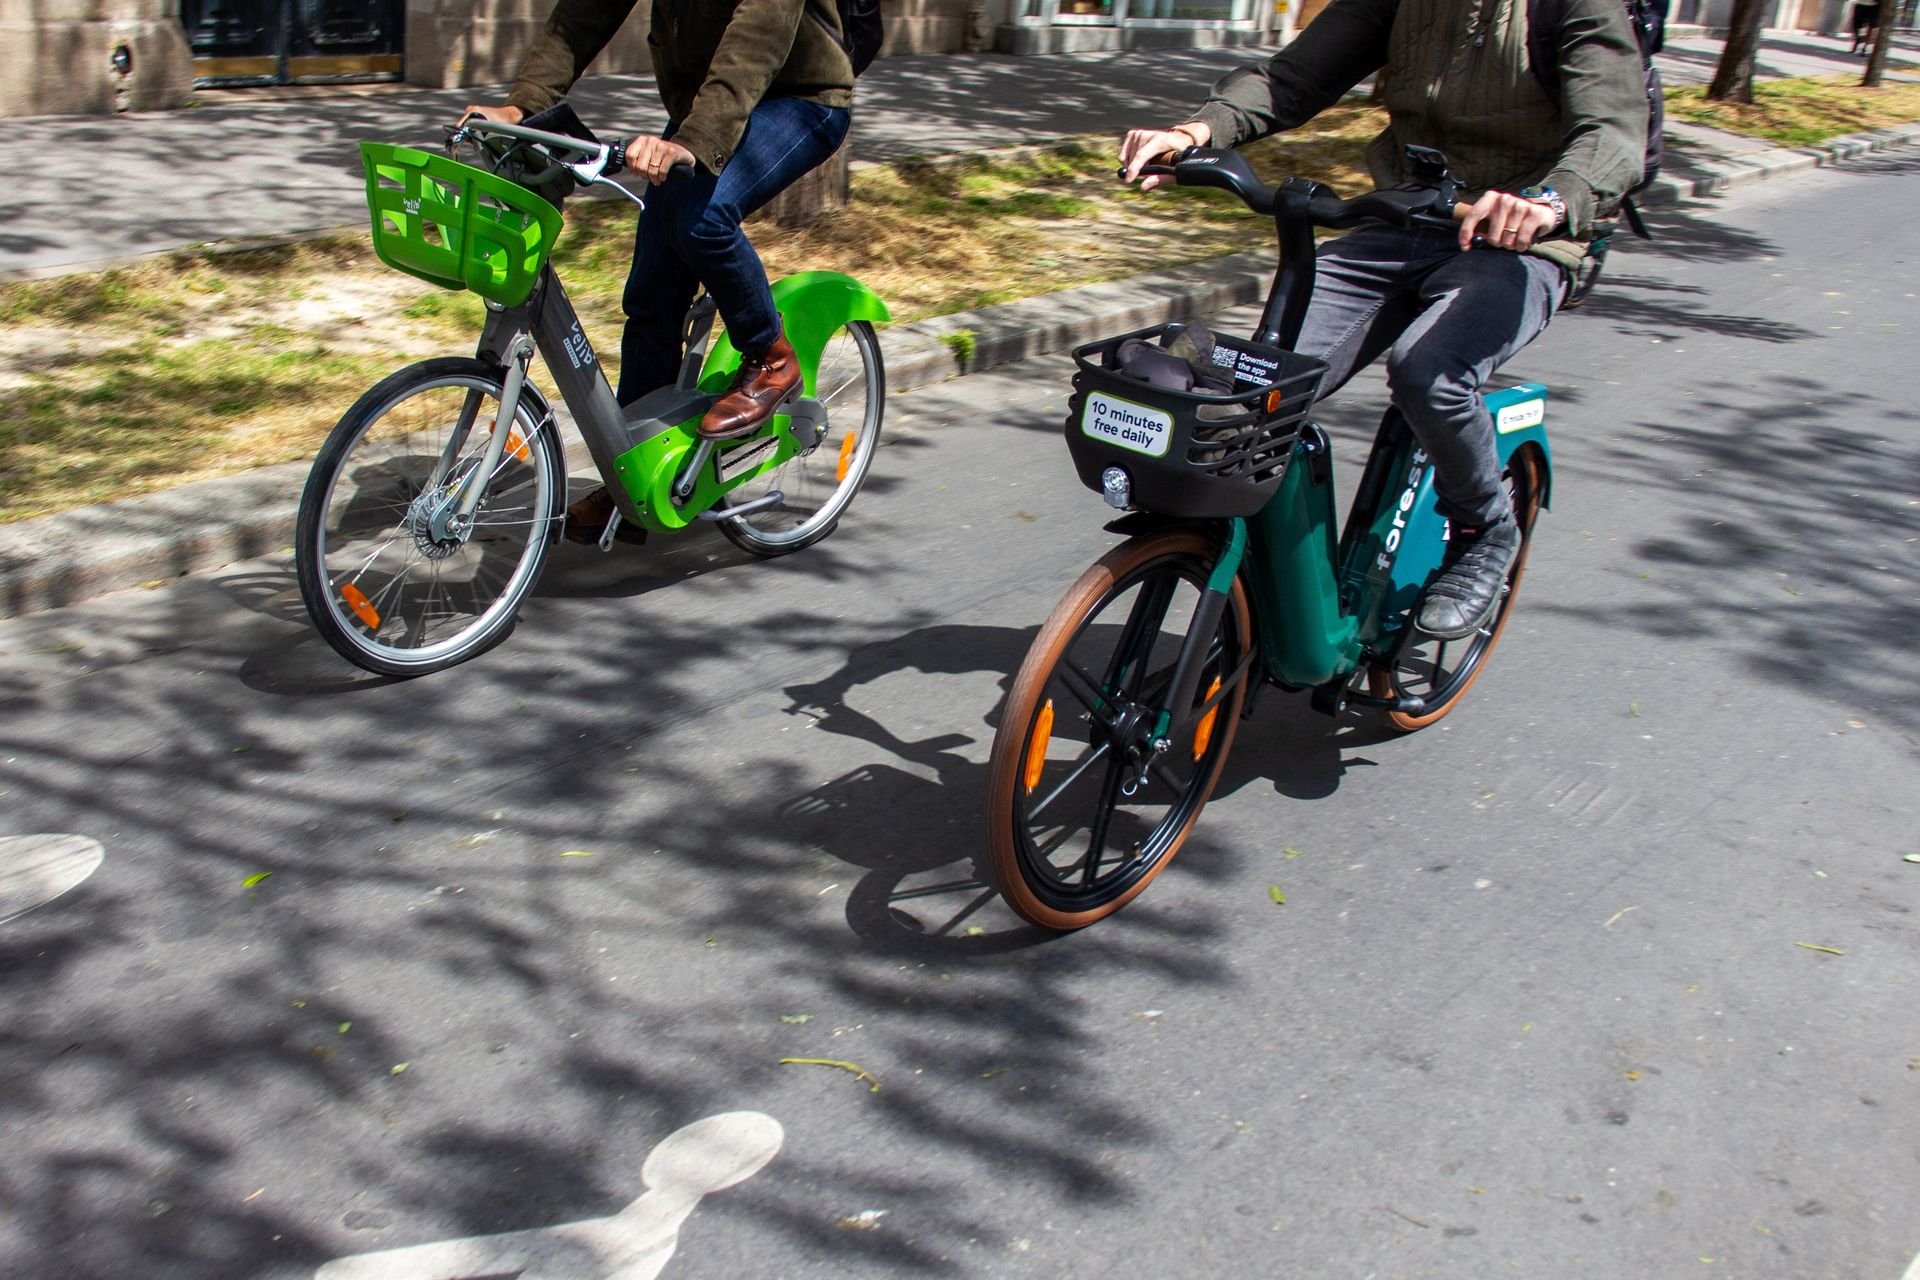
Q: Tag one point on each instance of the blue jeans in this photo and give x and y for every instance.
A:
(690, 235)
(1446, 319)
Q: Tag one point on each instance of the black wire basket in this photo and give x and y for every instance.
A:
(1203, 452)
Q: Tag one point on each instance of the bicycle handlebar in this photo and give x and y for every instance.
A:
(597, 161)
(1430, 202)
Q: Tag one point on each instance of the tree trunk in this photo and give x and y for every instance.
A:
(1733, 78)
(1882, 41)
(821, 191)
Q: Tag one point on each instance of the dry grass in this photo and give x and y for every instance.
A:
(1804, 112)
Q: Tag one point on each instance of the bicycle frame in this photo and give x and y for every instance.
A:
(1322, 606)
(648, 452)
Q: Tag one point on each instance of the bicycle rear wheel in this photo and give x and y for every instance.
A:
(1439, 672)
(820, 484)
(1082, 811)
(390, 575)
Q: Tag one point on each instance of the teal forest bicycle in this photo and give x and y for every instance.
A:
(1233, 573)
(432, 506)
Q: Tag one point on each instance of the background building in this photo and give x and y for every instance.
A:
(60, 57)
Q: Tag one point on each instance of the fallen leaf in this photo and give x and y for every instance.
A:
(577, 853)
(1633, 1075)
(1273, 891)
(1633, 709)
(1294, 853)
(1912, 857)
(1811, 946)
(152, 584)
(254, 879)
(713, 942)
(345, 1027)
(975, 931)
(397, 1068)
(865, 1220)
(796, 1018)
(240, 751)
(858, 1071)
(65, 646)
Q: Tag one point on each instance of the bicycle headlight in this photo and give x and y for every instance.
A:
(1117, 488)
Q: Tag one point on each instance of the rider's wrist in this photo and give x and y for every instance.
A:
(1550, 200)
(1193, 131)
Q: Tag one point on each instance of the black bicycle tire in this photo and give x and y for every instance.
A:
(309, 557)
(1004, 862)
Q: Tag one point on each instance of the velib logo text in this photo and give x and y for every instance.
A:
(578, 352)
(1131, 426)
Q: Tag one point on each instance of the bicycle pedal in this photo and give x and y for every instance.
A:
(618, 530)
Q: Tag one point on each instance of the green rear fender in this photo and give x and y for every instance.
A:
(813, 305)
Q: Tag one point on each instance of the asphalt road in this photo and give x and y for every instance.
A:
(1614, 973)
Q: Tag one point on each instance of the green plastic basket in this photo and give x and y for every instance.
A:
(455, 225)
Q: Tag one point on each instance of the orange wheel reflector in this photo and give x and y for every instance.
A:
(846, 456)
(1203, 732)
(1037, 746)
(362, 607)
(517, 447)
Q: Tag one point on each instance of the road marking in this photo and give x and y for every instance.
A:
(708, 1155)
(34, 870)
(1913, 1272)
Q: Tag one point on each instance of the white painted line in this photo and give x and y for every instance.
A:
(708, 1155)
(1913, 1271)
(34, 870)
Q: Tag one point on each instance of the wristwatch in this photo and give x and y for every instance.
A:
(1550, 198)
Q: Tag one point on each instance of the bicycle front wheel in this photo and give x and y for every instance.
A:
(818, 485)
(393, 576)
(1083, 810)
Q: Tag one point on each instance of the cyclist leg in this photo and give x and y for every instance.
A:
(1479, 309)
(1364, 296)
(698, 221)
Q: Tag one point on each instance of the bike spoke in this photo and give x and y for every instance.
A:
(1094, 754)
(1102, 819)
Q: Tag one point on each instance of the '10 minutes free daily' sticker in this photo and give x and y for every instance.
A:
(1131, 426)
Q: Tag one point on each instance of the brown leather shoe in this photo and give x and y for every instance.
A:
(764, 383)
(587, 520)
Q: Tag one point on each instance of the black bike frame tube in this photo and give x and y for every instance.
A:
(1286, 308)
(1194, 651)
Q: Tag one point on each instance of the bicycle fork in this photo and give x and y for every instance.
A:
(1195, 651)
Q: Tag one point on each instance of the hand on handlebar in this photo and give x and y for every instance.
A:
(652, 157)
(1502, 220)
(1141, 147)
(500, 115)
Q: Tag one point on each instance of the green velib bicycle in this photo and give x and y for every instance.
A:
(1234, 572)
(432, 506)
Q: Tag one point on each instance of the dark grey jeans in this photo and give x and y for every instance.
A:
(1446, 321)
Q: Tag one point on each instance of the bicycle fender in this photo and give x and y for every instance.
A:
(1520, 420)
(813, 305)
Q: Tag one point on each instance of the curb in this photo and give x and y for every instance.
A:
(76, 555)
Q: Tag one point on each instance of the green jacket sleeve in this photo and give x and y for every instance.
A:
(1342, 46)
(1603, 101)
(751, 53)
(575, 33)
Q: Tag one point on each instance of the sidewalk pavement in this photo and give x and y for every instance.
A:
(258, 169)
